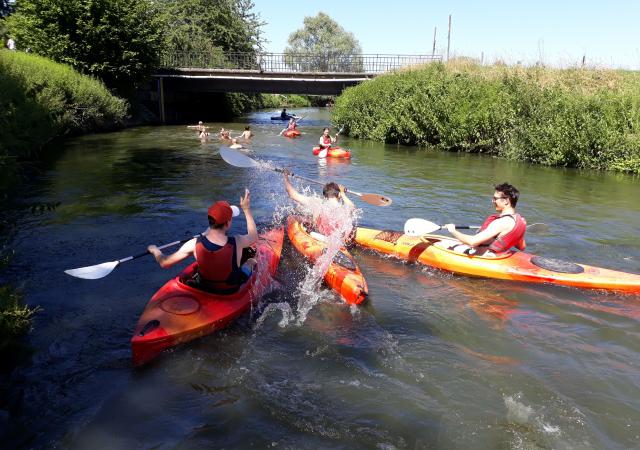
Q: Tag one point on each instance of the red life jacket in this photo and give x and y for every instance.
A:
(292, 126)
(326, 141)
(514, 238)
(218, 265)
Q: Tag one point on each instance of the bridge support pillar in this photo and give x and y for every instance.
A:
(161, 99)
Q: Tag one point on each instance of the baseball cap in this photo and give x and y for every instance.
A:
(222, 211)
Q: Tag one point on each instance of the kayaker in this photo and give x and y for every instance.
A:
(326, 140)
(329, 213)
(499, 232)
(293, 124)
(224, 134)
(247, 134)
(283, 114)
(234, 144)
(217, 254)
(199, 128)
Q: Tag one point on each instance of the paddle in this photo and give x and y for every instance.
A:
(418, 227)
(323, 153)
(240, 160)
(104, 269)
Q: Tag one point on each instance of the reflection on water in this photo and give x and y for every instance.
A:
(432, 360)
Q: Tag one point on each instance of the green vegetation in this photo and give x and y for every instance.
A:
(15, 321)
(572, 117)
(323, 45)
(284, 101)
(117, 41)
(41, 100)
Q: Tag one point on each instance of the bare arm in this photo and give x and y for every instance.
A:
(485, 236)
(187, 249)
(251, 237)
(347, 201)
(292, 192)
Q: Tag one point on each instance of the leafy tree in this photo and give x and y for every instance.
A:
(323, 45)
(206, 25)
(118, 41)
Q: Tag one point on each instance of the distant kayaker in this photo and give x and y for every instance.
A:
(224, 134)
(218, 255)
(501, 231)
(199, 128)
(335, 212)
(283, 114)
(247, 134)
(234, 144)
(326, 140)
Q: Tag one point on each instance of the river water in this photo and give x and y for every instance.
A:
(431, 361)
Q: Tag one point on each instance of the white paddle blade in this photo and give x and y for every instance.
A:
(93, 272)
(323, 153)
(418, 227)
(236, 158)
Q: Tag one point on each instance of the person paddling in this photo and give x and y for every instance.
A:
(283, 114)
(499, 232)
(326, 140)
(329, 213)
(291, 126)
(217, 254)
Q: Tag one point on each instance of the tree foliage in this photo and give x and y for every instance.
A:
(209, 25)
(118, 41)
(323, 45)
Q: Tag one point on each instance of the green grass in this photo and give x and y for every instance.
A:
(582, 118)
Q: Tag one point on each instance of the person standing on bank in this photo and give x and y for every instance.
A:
(500, 231)
(217, 254)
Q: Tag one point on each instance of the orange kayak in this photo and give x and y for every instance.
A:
(291, 133)
(179, 313)
(343, 275)
(334, 152)
(435, 251)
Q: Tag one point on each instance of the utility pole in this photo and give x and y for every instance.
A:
(433, 51)
(449, 38)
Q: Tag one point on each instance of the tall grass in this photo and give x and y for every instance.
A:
(572, 117)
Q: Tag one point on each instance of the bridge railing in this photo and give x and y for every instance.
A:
(287, 62)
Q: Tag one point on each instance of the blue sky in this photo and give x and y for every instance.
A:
(557, 32)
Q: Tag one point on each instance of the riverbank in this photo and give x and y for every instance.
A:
(584, 118)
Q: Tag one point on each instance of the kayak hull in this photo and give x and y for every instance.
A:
(179, 313)
(291, 133)
(348, 282)
(334, 152)
(283, 118)
(434, 251)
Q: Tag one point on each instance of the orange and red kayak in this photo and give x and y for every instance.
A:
(343, 275)
(179, 313)
(291, 133)
(436, 251)
(334, 152)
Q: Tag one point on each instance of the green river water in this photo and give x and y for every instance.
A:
(432, 360)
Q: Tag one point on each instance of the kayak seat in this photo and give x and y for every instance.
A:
(195, 281)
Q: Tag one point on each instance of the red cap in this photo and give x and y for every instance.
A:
(222, 211)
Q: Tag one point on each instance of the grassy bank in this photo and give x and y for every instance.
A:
(41, 100)
(572, 117)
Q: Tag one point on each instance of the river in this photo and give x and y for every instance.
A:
(432, 360)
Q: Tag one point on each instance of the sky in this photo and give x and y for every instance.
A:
(557, 33)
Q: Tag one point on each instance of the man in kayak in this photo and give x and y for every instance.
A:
(217, 254)
(284, 115)
(499, 232)
(334, 213)
(291, 126)
(327, 141)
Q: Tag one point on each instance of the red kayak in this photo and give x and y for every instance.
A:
(334, 152)
(291, 133)
(179, 313)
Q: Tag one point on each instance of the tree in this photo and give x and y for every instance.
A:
(205, 26)
(323, 45)
(118, 41)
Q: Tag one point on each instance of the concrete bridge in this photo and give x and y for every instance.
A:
(274, 73)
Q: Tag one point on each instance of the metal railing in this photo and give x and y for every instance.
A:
(288, 62)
